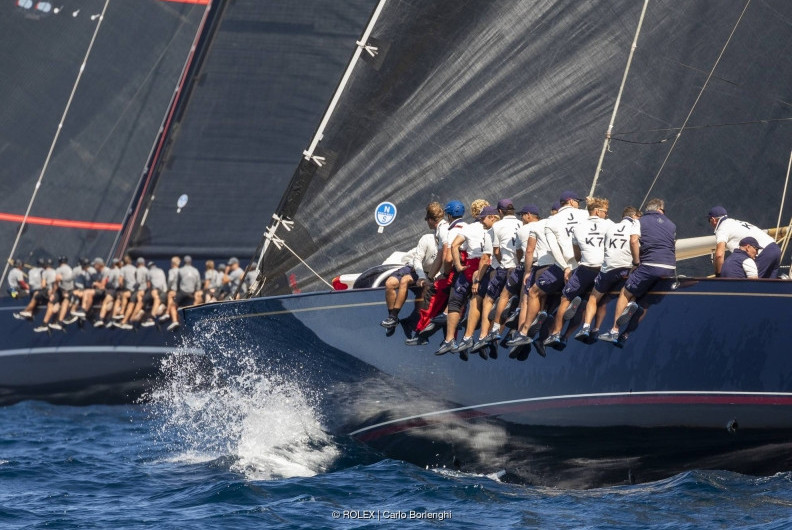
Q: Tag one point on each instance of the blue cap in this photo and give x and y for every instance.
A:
(568, 196)
(716, 211)
(505, 204)
(488, 210)
(529, 208)
(455, 209)
(750, 241)
(556, 206)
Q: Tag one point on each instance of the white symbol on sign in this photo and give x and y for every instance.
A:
(385, 214)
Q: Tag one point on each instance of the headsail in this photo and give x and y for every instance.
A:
(126, 84)
(506, 99)
(266, 75)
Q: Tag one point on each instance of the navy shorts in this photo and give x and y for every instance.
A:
(484, 282)
(514, 279)
(407, 270)
(768, 261)
(611, 280)
(551, 281)
(535, 273)
(460, 293)
(644, 277)
(497, 282)
(580, 282)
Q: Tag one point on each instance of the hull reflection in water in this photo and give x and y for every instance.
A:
(704, 381)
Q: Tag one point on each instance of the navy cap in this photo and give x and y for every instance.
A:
(455, 209)
(716, 211)
(556, 206)
(488, 210)
(505, 204)
(568, 196)
(529, 208)
(750, 241)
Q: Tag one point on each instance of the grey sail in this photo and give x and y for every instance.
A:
(258, 92)
(117, 108)
(513, 99)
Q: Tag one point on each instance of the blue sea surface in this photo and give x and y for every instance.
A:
(128, 467)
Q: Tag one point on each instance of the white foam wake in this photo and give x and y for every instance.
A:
(265, 424)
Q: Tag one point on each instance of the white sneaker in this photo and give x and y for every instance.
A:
(147, 323)
(55, 325)
(172, 326)
(79, 313)
(40, 329)
(164, 317)
(26, 314)
(125, 326)
(99, 324)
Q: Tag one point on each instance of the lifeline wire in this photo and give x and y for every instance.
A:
(703, 88)
(52, 145)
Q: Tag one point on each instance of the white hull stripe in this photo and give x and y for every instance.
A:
(570, 396)
(100, 349)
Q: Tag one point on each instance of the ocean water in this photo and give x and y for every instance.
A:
(253, 454)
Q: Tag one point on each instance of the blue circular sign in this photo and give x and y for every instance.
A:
(385, 213)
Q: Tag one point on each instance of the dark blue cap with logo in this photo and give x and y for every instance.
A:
(488, 210)
(750, 241)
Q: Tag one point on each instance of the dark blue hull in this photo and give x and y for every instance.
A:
(709, 358)
(80, 365)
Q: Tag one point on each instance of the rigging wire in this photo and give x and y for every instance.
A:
(695, 103)
(54, 141)
(783, 195)
(606, 142)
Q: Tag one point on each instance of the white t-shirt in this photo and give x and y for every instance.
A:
(589, 236)
(541, 255)
(453, 230)
(731, 231)
(477, 240)
(559, 234)
(422, 256)
(617, 244)
(504, 236)
(441, 234)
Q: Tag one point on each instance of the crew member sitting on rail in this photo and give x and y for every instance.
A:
(507, 254)
(589, 243)
(621, 250)
(657, 260)
(417, 261)
(442, 271)
(17, 285)
(38, 293)
(467, 248)
(740, 263)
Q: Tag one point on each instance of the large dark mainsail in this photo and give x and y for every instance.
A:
(262, 85)
(472, 99)
(117, 108)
